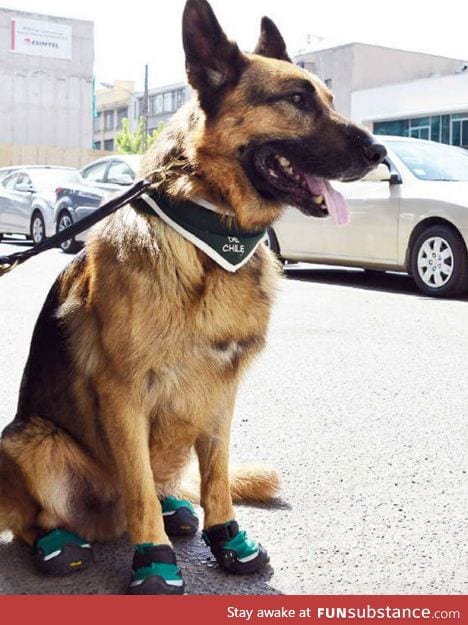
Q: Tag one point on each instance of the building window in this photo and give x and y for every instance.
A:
(399, 128)
(97, 122)
(135, 109)
(420, 128)
(450, 129)
(169, 102)
(435, 128)
(445, 133)
(180, 98)
(109, 145)
(328, 82)
(156, 104)
(122, 113)
(109, 120)
(460, 130)
(97, 145)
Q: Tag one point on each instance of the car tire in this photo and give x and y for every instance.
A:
(37, 228)
(70, 246)
(439, 262)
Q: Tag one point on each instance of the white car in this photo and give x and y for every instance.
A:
(409, 214)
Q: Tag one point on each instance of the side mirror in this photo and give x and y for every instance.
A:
(24, 187)
(123, 179)
(381, 173)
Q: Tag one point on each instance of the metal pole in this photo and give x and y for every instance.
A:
(145, 111)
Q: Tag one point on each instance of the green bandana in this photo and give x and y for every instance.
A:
(227, 244)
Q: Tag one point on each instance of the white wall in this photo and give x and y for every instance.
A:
(437, 95)
(47, 101)
(357, 66)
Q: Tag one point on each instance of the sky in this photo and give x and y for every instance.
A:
(132, 33)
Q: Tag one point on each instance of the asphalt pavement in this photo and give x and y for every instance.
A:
(360, 401)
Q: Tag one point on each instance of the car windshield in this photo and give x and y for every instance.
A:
(432, 161)
(45, 179)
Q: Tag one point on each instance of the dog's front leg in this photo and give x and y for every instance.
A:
(215, 495)
(155, 569)
(231, 547)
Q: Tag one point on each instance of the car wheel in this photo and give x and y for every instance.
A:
(439, 262)
(272, 243)
(37, 228)
(70, 246)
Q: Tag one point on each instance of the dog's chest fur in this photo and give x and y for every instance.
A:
(172, 326)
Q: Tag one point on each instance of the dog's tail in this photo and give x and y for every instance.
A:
(249, 484)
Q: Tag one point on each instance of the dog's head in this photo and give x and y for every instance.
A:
(269, 135)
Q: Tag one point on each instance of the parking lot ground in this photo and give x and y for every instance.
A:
(359, 400)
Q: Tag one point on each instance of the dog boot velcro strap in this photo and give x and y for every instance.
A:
(179, 517)
(59, 552)
(233, 550)
(155, 571)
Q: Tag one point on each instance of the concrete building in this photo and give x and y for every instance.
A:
(357, 66)
(391, 91)
(46, 77)
(113, 103)
(119, 100)
(433, 108)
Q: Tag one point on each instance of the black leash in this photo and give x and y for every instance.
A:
(7, 263)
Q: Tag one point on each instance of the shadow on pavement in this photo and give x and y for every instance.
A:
(110, 572)
(358, 278)
(16, 242)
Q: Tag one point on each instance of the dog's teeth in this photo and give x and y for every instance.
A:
(318, 199)
(272, 173)
(284, 161)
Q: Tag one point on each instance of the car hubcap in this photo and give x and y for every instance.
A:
(435, 262)
(65, 222)
(38, 230)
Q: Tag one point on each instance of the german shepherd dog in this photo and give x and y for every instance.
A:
(136, 356)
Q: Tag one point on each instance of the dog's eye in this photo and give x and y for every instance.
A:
(298, 99)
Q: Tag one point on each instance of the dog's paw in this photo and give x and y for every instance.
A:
(60, 552)
(179, 517)
(155, 571)
(233, 550)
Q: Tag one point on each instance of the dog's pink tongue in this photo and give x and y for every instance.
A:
(336, 204)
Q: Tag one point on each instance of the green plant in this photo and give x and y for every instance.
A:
(131, 142)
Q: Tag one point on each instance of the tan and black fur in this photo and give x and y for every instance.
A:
(137, 354)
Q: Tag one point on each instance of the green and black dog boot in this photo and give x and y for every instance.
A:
(233, 550)
(155, 571)
(60, 552)
(179, 517)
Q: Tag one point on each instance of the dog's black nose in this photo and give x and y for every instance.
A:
(374, 153)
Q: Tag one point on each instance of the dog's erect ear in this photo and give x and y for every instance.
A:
(212, 61)
(271, 43)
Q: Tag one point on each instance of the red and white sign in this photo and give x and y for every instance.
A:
(39, 38)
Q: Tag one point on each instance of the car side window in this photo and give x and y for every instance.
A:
(10, 181)
(119, 170)
(23, 179)
(95, 173)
